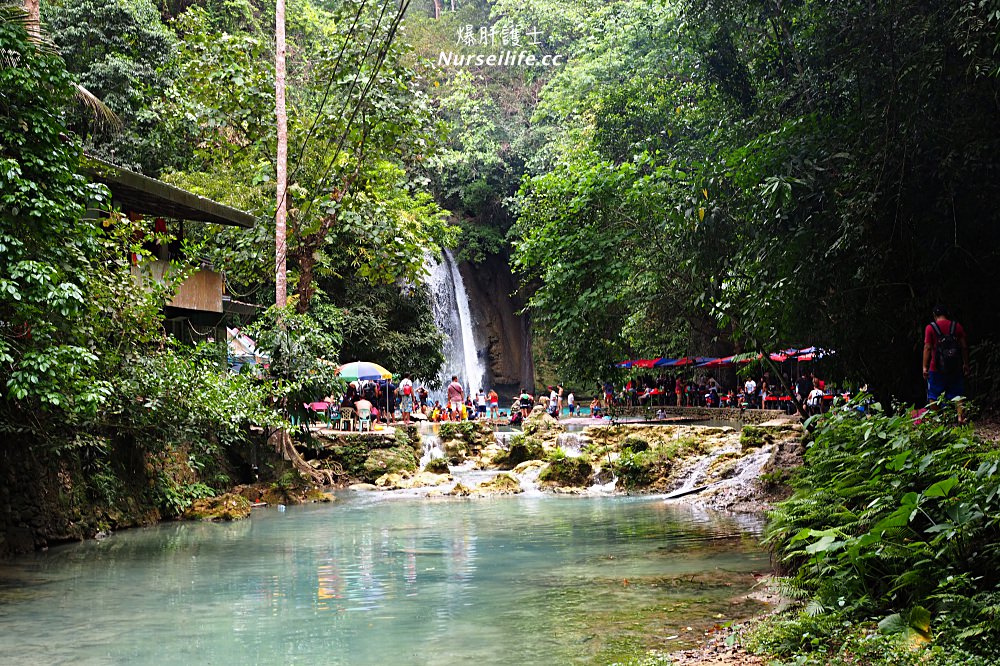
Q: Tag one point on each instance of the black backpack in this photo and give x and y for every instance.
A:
(948, 352)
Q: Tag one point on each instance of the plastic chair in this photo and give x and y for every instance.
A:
(364, 419)
(347, 418)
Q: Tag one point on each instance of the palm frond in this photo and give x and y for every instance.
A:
(15, 13)
(103, 115)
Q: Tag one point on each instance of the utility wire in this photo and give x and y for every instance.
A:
(380, 60)
(329, 86)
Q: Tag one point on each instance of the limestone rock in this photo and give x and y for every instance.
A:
(397, 481)
(502, 484)
(529, 465)
(437, 466)
(459, 491)
(224, 507)
(399, 459)
(363, 486)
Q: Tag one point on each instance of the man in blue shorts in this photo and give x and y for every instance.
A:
(946, 358)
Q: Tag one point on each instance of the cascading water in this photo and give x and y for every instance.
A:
(432, 449)
(571, 444)
(450, 305)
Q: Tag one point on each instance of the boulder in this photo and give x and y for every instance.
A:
(502, 484)
(529, 465)
(455, 450)
(522, 448)
(224, 507)
(406, 481)
(575, 472)
(437, 466)
(459, 491)
(399, 459)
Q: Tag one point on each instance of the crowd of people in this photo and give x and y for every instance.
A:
(387, 401)
(760, 392)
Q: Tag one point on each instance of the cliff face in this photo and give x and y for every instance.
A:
(506, 335)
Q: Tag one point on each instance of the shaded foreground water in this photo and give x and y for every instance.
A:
(370, 580)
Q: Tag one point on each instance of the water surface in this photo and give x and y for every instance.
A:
(370, 580)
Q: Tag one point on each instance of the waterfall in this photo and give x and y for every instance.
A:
(570, 444)
(450, 305)
(432, 449)
(503, 439)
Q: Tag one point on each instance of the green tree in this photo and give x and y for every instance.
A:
(120, 51)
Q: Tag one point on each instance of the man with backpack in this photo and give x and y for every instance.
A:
(946, 358)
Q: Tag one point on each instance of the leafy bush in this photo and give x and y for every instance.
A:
(753, 437)
(565, 471)
(437, 466)
(890, 515)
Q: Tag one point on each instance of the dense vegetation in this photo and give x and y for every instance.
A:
(893, 522)
(763, 174)
(92, 386)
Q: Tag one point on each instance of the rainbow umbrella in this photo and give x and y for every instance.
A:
(362, 370)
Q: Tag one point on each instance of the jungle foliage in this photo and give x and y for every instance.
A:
(750, 174)
(88, 372)
(894, 521)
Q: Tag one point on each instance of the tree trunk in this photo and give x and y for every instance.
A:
(304, 288)
(281, 214)
(34, 16)
(282, 443)
(437, 9)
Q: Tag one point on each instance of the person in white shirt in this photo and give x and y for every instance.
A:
(571, 403)
(750, 391)
(480, 404)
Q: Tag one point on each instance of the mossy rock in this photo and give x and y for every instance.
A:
(754, 437)
(459, 491)
(475, 434)
(502, 484)
(636, 443)
(399, 459)
(567, 472)
(224, 507)
(542, 426)
(522, 448)
(455, 450)
(437, 466)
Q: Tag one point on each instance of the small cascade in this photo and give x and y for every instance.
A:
(571, 444)
(432, 449)
(450, 306)
(697, 472)
(503, 439)
(749, 467)
(529, 480)
(604, 488)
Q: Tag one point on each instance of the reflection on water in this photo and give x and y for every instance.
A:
(365, 581)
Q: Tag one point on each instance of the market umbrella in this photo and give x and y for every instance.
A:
(361, 370)
(365, 371)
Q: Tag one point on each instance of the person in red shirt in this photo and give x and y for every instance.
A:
(945, 358)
